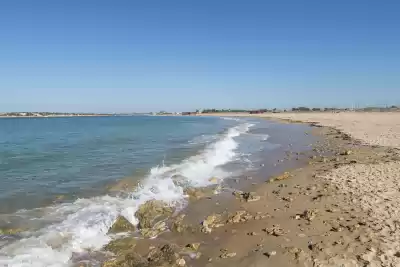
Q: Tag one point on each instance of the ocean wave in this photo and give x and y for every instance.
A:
(84, 224)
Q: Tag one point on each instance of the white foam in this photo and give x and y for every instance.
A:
(231, 119)
(202, 139)
(84, 224)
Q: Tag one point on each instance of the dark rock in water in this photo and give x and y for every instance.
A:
(150, 211)
(121, 225)
(120, 246)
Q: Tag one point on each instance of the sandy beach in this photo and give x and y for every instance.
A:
(340, 208)
(373, 128)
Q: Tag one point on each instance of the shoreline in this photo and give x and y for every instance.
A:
(307, 217)
(334, 204)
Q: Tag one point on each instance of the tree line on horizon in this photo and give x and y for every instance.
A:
(296, 109)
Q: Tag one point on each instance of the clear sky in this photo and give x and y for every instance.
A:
(105, 56)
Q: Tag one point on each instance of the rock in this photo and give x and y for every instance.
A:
(150, 211)
(213, 180)
(194, 193)
(226, 255)
(309, 215)
(237, 194)
(239, 216)
(312, 188)
(212, 221)
(288, 199)
(110, 263)
(165, 254)
(283, 176)
(346, 153)
(157, 229)
(275, 230)
(121, 225)
(217, 190)
(148, 232)
(178, 225)
(346, 136)
(260, 217)
(331, 210)
(10, 231)
(246, 196)
(129, 259)
(180, 262)
(120, 246)
(270, 254)
(198, 193)
(193, 246)
(370, 255)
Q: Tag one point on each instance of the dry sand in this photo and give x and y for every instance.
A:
(342, 209)
(375, 188)
(372, 187)
(374, 128)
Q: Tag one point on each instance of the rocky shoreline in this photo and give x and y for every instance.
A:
(320, 214)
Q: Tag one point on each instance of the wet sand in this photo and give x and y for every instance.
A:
(339, 207)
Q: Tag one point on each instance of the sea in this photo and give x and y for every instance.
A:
(56, 173)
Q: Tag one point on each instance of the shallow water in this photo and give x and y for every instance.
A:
(41, 159)
(44, 158)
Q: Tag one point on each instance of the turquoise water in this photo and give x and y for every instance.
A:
(41, 158)
(78, 158)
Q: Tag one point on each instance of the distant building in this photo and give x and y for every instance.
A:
(256, 111)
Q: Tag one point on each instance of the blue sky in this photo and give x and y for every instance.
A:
(106, 56)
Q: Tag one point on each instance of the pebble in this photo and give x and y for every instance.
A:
(181, 262)
(270, 254)
(228, 255)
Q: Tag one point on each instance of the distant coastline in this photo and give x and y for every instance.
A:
(49, 115)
